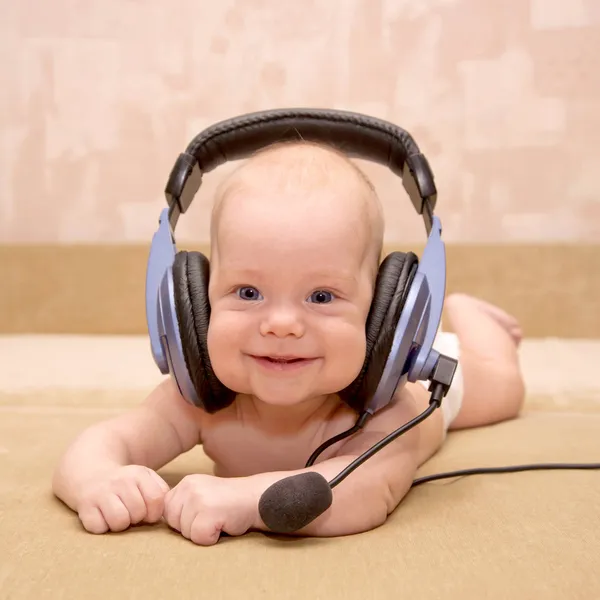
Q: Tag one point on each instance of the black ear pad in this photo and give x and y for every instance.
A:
(394, 279)
(190, 282)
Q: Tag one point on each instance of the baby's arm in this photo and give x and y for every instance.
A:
(151, 435)
(369, 494)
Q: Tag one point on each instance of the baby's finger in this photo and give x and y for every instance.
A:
(162, 484)
(132, 498)
(115, 513)
(92, 520)
(189, 512)
(205, 531)
(154, 495)
(172, 509)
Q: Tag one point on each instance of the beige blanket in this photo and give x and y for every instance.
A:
(532, 535)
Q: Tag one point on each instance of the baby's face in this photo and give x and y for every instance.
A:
(290, 290)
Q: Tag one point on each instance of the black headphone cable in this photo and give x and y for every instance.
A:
(293, 502)
(437, 392)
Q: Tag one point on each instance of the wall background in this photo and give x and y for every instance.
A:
(99, 97)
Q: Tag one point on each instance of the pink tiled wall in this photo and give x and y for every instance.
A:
(97, 98)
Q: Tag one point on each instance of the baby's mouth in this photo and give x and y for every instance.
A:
(282, 362)
(281, 359)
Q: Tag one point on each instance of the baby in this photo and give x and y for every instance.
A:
(296, 240)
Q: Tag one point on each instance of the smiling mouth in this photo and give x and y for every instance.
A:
(282, 363)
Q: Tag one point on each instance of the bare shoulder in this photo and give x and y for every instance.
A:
(166, 404)
(409, 402)
(166, 396)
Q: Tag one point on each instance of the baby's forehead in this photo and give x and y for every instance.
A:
(297, 194)
(301, 177)
(257, 219)
(302, 254)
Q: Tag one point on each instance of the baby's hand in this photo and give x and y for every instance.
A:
(126, 496)
(203, 506)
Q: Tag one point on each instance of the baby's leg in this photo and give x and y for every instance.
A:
(488, 338)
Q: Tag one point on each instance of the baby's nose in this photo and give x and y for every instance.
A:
(282, 322)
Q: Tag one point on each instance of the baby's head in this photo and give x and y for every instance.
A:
(296, 238)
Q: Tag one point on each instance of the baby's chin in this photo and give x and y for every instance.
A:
(281, 395)
(307, 386)
(280, 399)
(271, 392)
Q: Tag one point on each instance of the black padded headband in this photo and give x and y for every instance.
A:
(357, 135)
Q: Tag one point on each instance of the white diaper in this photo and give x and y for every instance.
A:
(447, 343)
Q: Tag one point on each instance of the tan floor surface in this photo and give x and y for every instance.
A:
(528, 535)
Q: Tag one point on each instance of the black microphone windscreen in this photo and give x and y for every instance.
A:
(293, 502)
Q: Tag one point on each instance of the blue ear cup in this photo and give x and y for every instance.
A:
(178, 314)
(190, 278)
(405, 313)
(394, 278)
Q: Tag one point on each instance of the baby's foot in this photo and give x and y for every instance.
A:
(508, 322)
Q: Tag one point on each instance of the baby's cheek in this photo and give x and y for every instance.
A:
(223, 351)
(349, 354)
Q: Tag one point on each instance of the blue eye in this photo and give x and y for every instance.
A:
(248, 293)
(321, 297)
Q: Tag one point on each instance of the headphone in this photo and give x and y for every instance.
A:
(406, 308)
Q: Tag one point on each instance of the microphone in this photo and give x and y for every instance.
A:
(293, 502)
